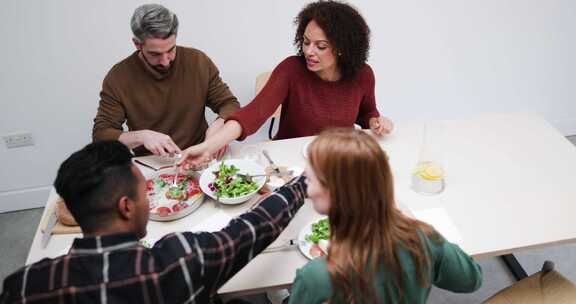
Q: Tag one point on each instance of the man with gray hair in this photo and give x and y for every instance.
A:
(161, 91)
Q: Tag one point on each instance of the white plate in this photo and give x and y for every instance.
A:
(305, 150)
(277, 182)
(303, 244)
(245, 166)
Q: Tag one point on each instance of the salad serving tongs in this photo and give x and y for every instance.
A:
(249, 177)
(176, 157)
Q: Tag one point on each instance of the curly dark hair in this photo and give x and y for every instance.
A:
(344, 27)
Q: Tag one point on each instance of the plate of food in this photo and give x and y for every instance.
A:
(313, 239)
(233, 181)
(169, 201)
(278, 179)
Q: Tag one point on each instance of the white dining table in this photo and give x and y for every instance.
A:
(509, 186)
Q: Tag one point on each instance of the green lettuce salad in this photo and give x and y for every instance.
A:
(229, 184)
(320, 231)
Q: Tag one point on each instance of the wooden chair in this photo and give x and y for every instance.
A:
(261, 81)
(544, 287)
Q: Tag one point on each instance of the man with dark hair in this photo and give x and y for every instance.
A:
(96, 181)
(106, 194)
(161, 91)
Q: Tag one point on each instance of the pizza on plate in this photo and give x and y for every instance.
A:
(167, 199)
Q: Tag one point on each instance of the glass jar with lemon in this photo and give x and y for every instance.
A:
(428, 177)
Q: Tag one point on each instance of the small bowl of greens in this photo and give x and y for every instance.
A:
(233, 181)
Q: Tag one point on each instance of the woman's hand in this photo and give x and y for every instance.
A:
(199, 156)
(212, 130)
(381, 125)
(196, 157)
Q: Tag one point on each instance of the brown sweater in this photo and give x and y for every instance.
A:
(171, 104)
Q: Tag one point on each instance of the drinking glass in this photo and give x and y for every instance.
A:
(251, 152)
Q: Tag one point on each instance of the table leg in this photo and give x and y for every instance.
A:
(514, 266)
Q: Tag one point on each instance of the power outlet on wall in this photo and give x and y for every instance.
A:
(18, 140)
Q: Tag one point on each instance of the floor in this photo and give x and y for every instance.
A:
(17, 230)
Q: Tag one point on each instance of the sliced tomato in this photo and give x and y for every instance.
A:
(193, 191)
(150, 184)
(179, 206)
(168, 178)
(193, 187)
(316, 251)
(176, 207)
(163, 211)
(194, 183)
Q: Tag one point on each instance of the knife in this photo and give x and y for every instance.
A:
(52, 220)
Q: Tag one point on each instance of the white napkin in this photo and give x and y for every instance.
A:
(215, 222)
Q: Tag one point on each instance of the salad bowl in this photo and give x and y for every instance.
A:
(226, 182)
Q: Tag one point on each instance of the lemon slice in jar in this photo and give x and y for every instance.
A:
(431, 171)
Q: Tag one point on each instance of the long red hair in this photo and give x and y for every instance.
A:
(366, 227)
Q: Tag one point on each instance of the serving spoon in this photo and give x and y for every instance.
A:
(176, 158)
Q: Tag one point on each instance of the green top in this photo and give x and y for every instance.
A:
(452, 269)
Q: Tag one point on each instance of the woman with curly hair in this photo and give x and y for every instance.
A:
(327, 84)
(376, 253)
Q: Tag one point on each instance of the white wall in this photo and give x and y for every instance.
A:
(433, 60)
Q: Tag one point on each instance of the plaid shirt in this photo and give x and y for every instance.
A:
(182, 267)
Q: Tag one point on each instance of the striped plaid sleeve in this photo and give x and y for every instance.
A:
(227, 251)
(15, 285)
(5, 295)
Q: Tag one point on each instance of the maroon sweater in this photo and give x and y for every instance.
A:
(309, 104)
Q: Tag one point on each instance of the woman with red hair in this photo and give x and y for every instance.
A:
(376, 253)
